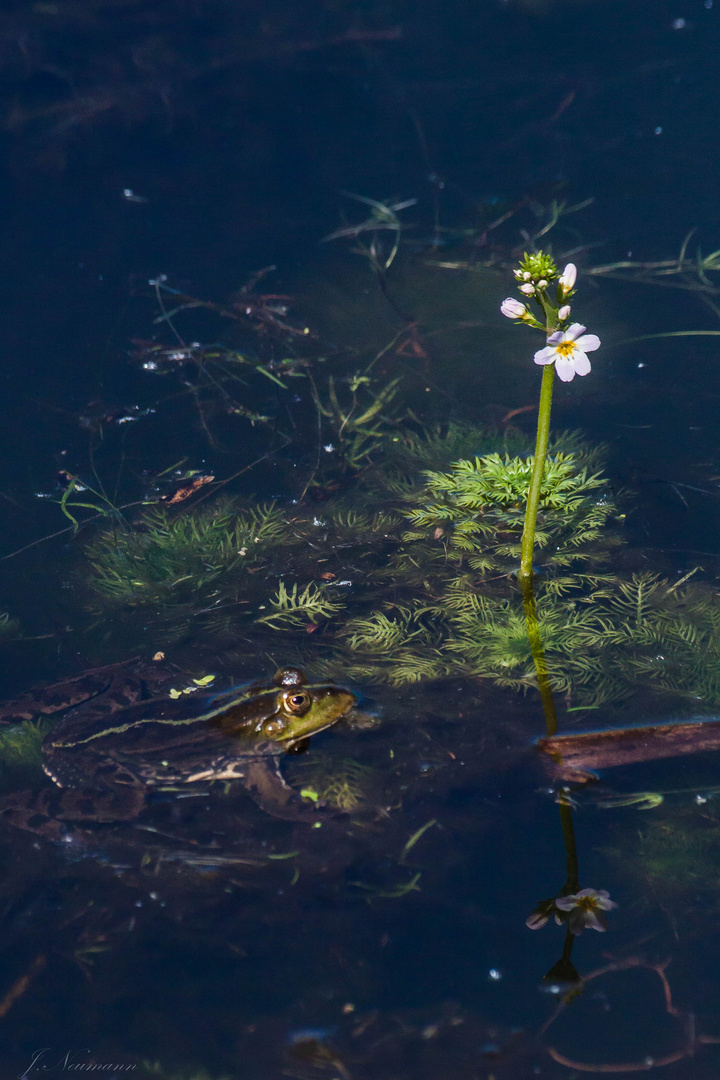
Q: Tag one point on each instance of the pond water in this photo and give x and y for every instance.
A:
(255, 373)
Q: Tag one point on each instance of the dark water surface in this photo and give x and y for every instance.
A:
(194, 145)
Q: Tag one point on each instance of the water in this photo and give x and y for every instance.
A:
(197, 148)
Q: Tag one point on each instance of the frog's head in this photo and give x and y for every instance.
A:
(303, 709)
(291, 710)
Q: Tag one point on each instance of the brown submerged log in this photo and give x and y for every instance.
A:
(576, 756)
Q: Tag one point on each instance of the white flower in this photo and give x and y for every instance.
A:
(585, 909)
(568, 278)
(564, 313)
(528, 289)
(513, 309)
(568, 349)
(542, 284)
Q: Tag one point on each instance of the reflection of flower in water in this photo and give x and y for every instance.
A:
(562, 980)
(542, 913)
(585, 909)
(579, 911)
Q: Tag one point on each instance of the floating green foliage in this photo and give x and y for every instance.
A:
(221, 569)
(415, 580)
(477, 509)
(599, 646)
(298, 607)
(166, 554)
(20, 747)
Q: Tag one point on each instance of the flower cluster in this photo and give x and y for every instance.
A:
(567, 346)
(537, 269)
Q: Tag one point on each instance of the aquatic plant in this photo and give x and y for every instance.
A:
(565, 352)
(415, 579)
(383, 220)
(219, 568)
(346, 785)
(674, 859)
(600, 646)
(356, 416)
(20, 748)
(477, 510)
(299, 607)
(167, 554)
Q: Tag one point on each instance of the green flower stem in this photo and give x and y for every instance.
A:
(541, 445)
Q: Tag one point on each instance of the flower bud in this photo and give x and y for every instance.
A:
(513, 309)
(542, 284)
(564, 313)
(528, 289)
(568, 278)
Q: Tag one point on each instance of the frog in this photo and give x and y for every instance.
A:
(114, 745)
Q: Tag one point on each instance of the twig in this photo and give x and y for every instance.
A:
(20, 985)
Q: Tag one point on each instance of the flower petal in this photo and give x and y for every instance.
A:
(588, 342)
(568, 277)
(556, 337)
(605, 903)
(545, 356)
(566, 903)
(512, 308)
(576, 922)
(565, 368)
(594, 921)
(580, 362)
(574, 331)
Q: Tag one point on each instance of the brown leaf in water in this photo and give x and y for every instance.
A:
(186, 490)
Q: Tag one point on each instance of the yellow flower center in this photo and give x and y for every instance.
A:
(587, 903)
(565, 348)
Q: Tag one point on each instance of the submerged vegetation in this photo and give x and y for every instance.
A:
(477, 510)
(675, 852)
(168, 557)
(346, 786)
(392, 552)
(415, 580)
(20, 750)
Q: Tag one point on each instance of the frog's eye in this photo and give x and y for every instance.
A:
(297, 702)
